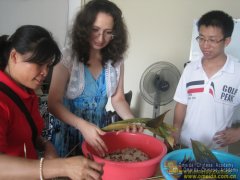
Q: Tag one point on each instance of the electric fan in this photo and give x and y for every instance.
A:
(158, 84)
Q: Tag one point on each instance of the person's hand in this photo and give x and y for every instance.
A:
(134, 128)
(92, 134)
(79, 167)
(227, 137)
(176, 136)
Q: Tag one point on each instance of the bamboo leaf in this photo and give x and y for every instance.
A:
(134, 120)
(155, 131)
(158, 121)
(163, 131)
(115, 127)
(170, 141)
(169, 127)
(202, 154)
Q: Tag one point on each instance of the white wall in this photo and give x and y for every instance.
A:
(54, 15)
(161, 30)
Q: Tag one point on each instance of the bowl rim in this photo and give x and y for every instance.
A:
(215, 151)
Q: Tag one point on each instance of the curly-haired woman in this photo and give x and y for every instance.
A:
(90, 72)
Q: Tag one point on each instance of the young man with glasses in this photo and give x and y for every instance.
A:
(208, 90)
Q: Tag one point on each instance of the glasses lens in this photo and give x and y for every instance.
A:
(211, 42)
(108, 35)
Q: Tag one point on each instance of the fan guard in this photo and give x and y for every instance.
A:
(159, 82)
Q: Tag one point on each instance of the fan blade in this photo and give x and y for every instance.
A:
(159, 82)
(148, 83)
(169, 80)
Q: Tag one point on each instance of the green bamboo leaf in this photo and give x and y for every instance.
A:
(155, 131)
(168, 127)
(134, 120)
(158, 121)
(163, 131)
(115, 127)
(119, 125)
(202, 154)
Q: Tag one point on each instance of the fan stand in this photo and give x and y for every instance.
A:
(156, 111)
(160, 86)
(157, 84)
(156, 106)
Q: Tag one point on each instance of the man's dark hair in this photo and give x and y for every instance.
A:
(218, 19)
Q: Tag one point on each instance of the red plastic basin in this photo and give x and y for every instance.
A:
(155, 149)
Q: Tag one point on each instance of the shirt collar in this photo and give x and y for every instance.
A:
(14, 86)
(228, 66)
(198, 63)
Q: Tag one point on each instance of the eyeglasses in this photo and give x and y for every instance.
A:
(212, 42)
(107, 34)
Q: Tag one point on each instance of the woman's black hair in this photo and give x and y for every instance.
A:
(82, 29)
(30, 38)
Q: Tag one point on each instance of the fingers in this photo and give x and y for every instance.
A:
(220, 133)
(101, 147)
(222, 138)
(134, 128)
(93, 138)
(118, 132)
(95, 170)
(98, 167)
(79, 167)
(176, 136)
(140, 129)
(101, 132)
(98, 144)
(92, 174)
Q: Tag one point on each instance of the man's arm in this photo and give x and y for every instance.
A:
(179, 116)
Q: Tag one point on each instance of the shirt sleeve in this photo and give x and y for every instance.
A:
(67, 60)
(181, 95)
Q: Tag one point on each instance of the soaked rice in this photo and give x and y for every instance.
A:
(127, 155)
